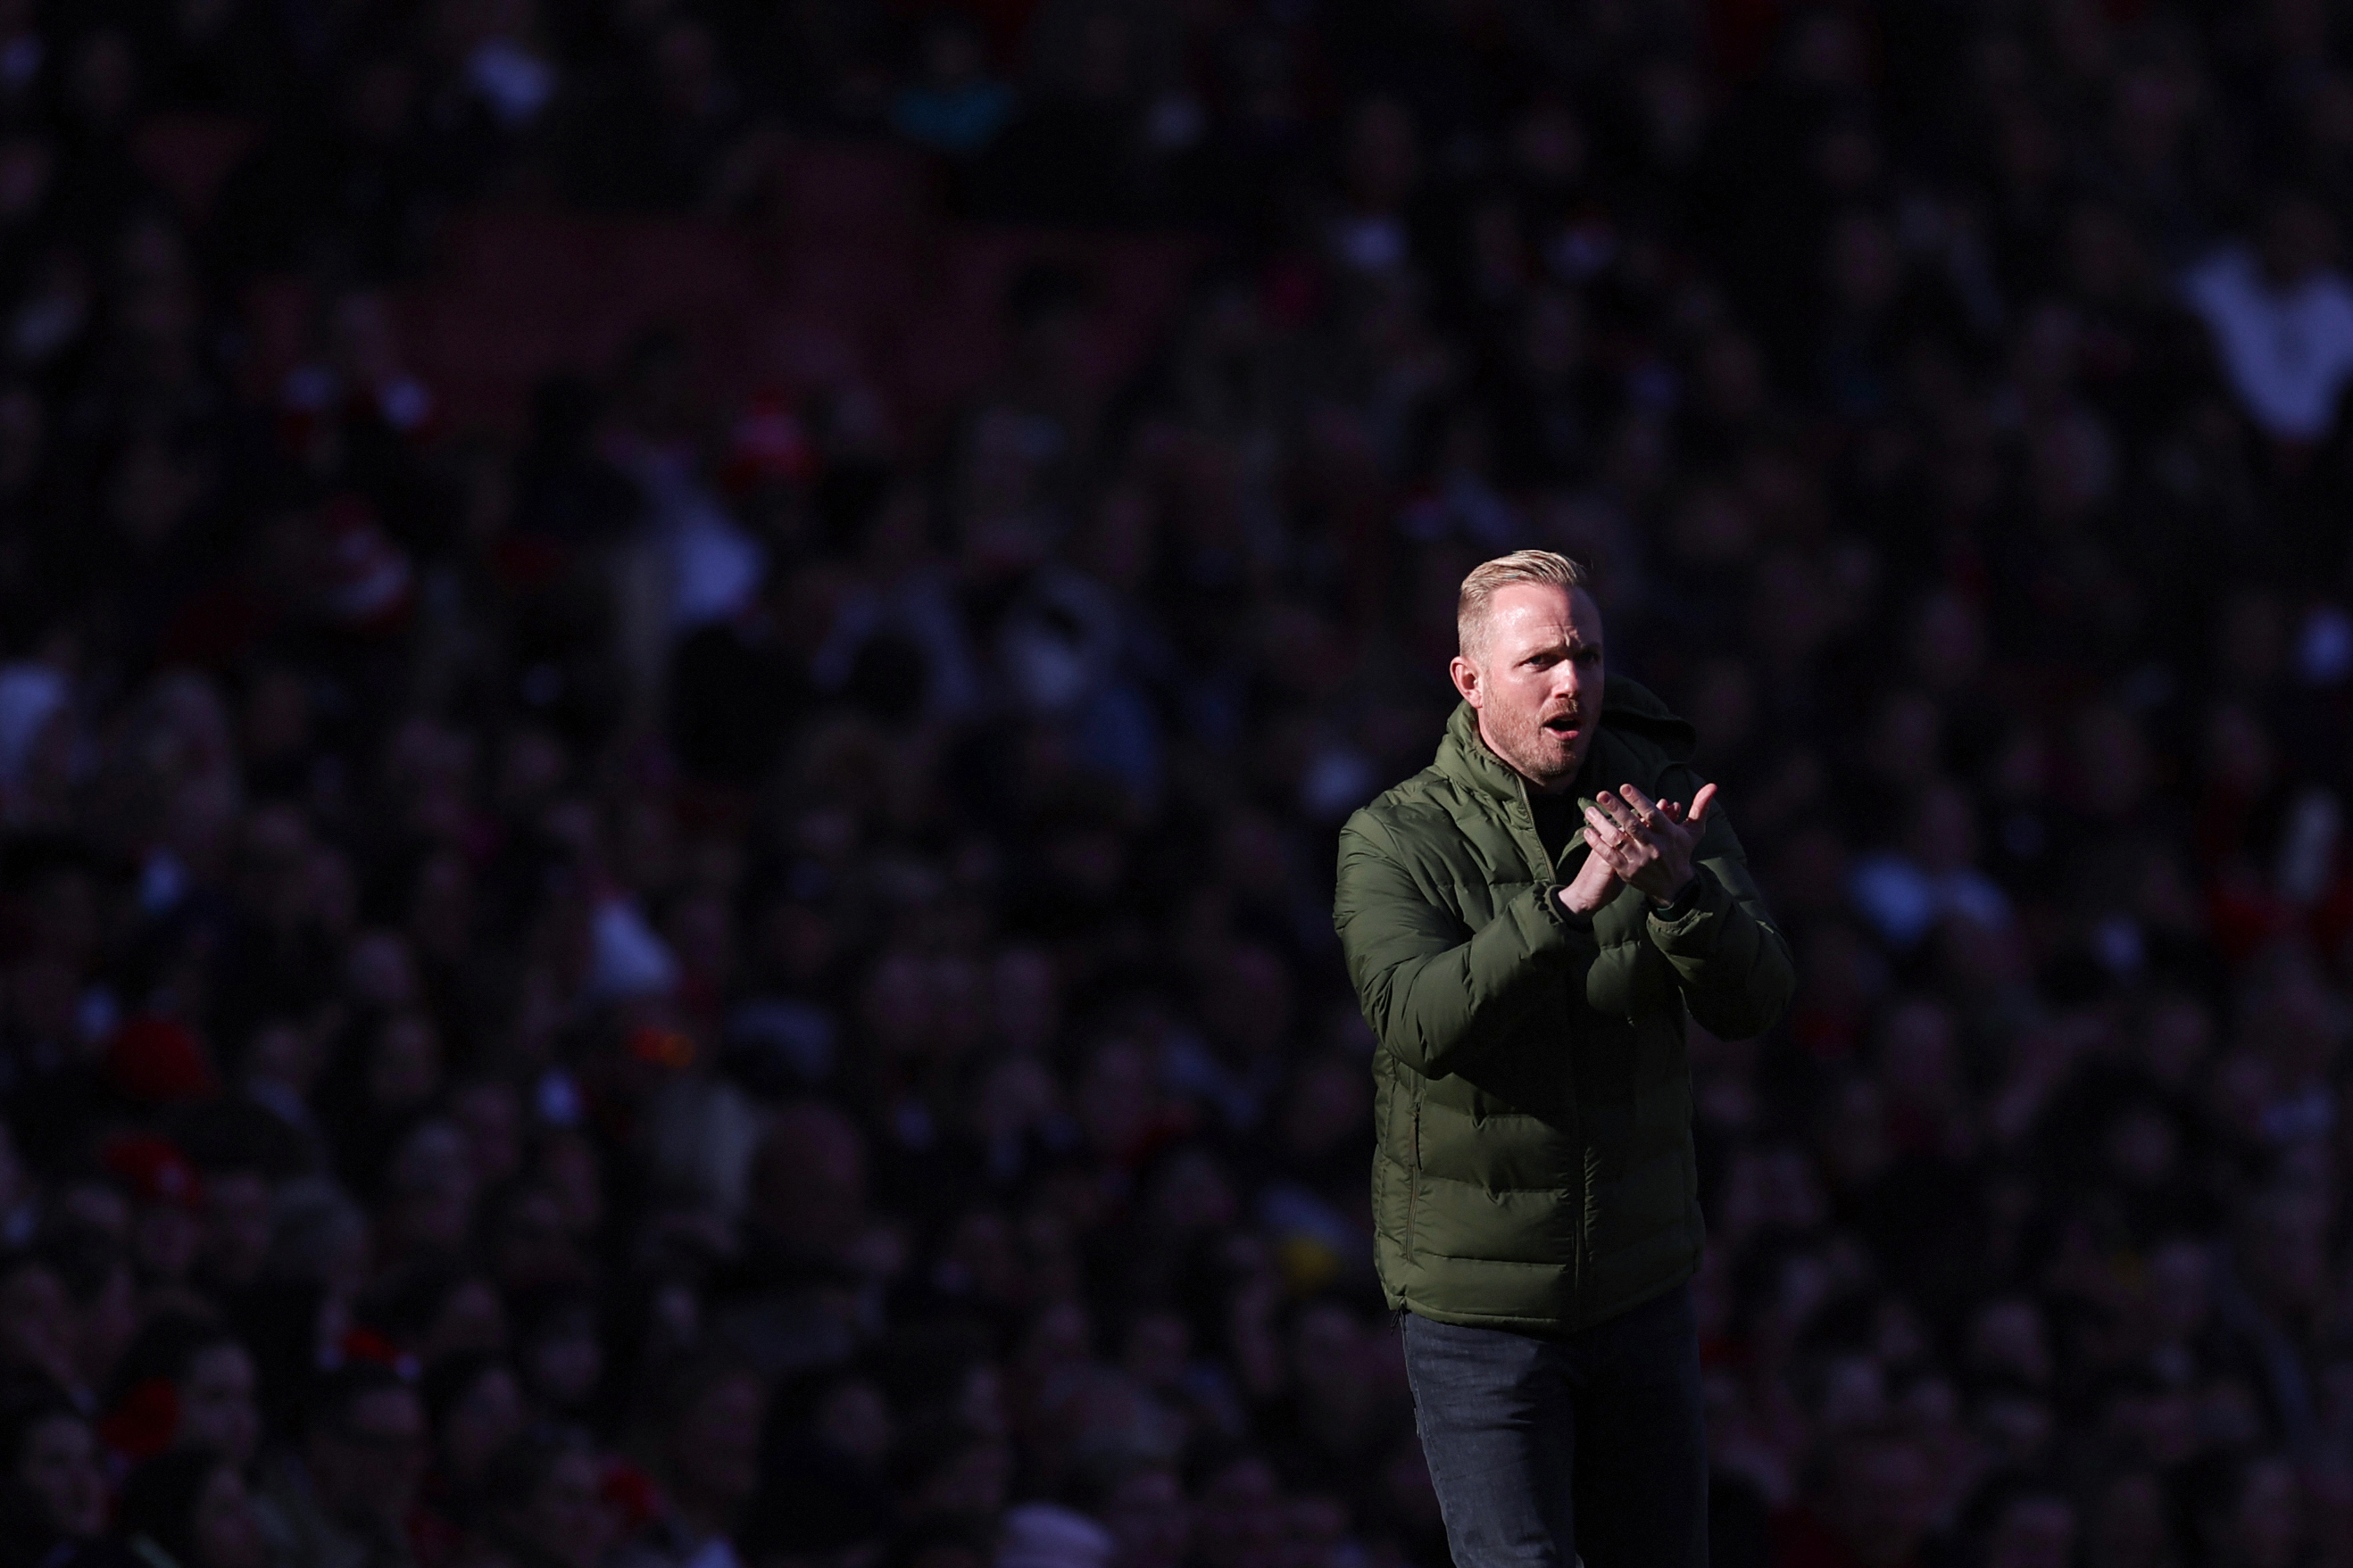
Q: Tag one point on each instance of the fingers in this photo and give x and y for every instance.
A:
(1608, 841)
(1648, 815)
(1644, 841)
(1620, 813)
(1622, 849)
(1643, 820)
(1645, 809)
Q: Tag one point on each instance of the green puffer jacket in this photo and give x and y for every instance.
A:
(1533, 1167)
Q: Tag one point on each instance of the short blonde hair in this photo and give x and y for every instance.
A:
(1490, 577)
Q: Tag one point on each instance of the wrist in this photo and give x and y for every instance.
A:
(1681, 899)
(1578, 902)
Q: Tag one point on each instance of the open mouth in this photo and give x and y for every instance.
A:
(1563, 725)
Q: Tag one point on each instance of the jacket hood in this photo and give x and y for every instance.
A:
(1631, 706)
(1627, 706)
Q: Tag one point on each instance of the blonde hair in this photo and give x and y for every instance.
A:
(1490, 577)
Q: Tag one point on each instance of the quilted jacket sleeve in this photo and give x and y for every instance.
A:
(1435, 993)
(1728, 955)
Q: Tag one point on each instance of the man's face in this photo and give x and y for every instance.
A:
(367, 1469)
(236, 1225)
(716, 1446)
(59, 1467)
(217, 1408)
(1536, 678)
(36, 1323)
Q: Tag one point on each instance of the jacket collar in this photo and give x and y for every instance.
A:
(1463, 757)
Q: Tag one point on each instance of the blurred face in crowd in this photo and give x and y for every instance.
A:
(479, 1422)
(855, 1419)
(406, 1064)
(2009, 1336)
(59, 1467)
(563, 1516)
(952, 53)
(367, 1466)
(1240, 1514)
(471, 1318)
(217, 1408)
(431, 1189)
(36, 1323)
(971, 1482)
(2128, 1525)
(2157, 1426)
(1533, 673)
(529, 1245)
(489, 1117)
(2265, 1528)
(2033, 1533)
(1324, 1355)
(107, 1320)
(226, 1532)
(715, 1449)
(1147, 1514)
(1329, 1105)
(235, 1227)
(564, 1359)
(808, 1181)
(164, 1238)
(1881, 1497)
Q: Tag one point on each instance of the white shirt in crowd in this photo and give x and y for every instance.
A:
(2286, 352)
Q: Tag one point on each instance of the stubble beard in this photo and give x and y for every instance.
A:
(1531, 751)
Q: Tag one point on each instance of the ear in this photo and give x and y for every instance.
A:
(1465, 676)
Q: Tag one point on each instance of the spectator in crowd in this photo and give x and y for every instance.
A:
(734, 965)
(191, 1509)
(346, 1495)
(538, 1504)
(54, 1489)
(702, 1438)
(185, 1382)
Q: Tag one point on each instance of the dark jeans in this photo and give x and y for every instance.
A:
(1544, 1449)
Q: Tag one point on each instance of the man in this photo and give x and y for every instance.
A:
(1529, 922)
(702, 1426)
(345, 1501)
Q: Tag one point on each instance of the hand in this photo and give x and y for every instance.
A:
(1595, 884)
(1646, 844)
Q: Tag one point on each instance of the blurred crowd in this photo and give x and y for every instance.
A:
(704, 986)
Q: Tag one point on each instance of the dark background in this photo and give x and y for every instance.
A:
(677, 676)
